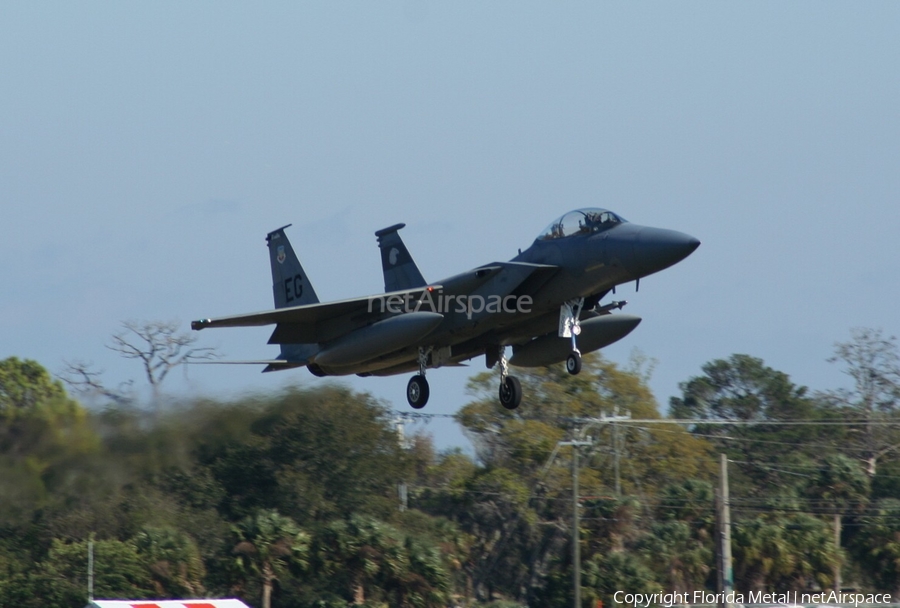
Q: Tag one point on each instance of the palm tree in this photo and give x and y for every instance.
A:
(371, 557)
(681, 562)
(175, 562)
(760, 551)
(878, 544)
(781, 551)
(363, 551)
(839, 485)
(267, 544)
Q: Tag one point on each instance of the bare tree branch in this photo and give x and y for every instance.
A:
(159, 347)
(871, 359)
(83, 379)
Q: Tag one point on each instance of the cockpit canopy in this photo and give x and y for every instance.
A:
(581, 221)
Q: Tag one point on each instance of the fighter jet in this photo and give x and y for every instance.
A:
(545, 304)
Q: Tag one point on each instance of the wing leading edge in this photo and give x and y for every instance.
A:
(314, 313)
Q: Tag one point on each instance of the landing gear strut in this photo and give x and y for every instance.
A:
(570, 327)
(417, 391)
(510, 388)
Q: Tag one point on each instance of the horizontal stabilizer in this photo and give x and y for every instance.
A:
(277, 367)
(272, 365)
(247, 362)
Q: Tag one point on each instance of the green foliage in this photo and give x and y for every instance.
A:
(60, 579)
(688, 501)
(174, 561)
(292, 497)
(266, 545)
(783, 552)
(605, 574)
(743, 389)
(268, 539)
(313, 455)
(25, 386)
(373, 560)
(839, 484)
(38, 421)
(681, 560)
(522, 488)
(740, 388)
(44, 437)
(877, 546)
(886, 481)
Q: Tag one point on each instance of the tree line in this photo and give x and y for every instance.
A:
(294, 499)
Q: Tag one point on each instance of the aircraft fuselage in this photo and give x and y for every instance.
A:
(589, 266)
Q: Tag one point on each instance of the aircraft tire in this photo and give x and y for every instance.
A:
(510, 393)
(417, 392)
(573, 363)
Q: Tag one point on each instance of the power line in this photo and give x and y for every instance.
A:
(723, 422)
(679, 421)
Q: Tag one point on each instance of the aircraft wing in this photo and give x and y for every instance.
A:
(303, 319)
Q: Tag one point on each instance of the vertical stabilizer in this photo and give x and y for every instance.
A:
(400, 271)
(290, 285)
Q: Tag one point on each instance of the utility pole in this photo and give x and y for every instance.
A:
(615, 429)
(837, 548)
(91, 568)
(402, 488)
(727, 575)
(576, 530)
(611, 420)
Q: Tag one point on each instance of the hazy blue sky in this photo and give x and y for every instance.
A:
(147, 148)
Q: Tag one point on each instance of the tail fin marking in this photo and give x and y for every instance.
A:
(400, 271)
(290, 285)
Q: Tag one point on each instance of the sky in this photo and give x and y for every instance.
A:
(147, 148)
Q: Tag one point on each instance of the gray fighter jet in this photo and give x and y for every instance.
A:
(545, 303)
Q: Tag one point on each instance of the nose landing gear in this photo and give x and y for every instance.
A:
(573, 362)
(510, 388)
(570, 327)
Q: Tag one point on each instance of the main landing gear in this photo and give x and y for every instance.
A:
(417, 391)
(510, 388)
(570, 327)
(510, 393)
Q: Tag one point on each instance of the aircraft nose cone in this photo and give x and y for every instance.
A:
(657, 248)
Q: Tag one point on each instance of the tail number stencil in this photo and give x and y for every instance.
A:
(293, 288)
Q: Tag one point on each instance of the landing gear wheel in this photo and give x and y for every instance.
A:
(510, 393)
(417, 392)
(573, 363)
